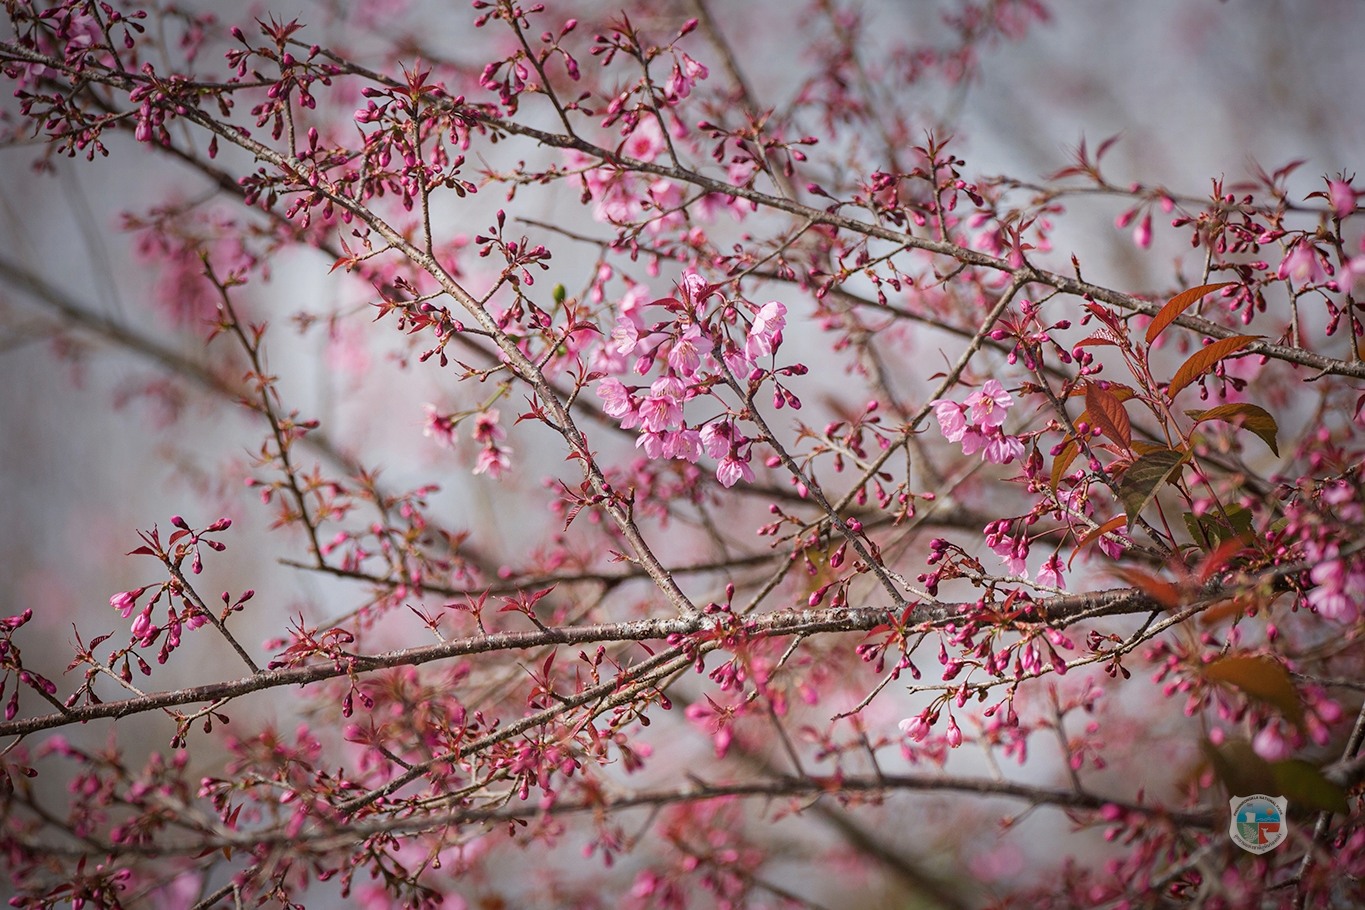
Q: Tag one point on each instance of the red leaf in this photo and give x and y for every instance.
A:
(1159, 589)
(1063, 461)
(1177, 305)
(1261, 677)
(1205, 359)
(1247, 416)
(1112, 524)
(1108, 414)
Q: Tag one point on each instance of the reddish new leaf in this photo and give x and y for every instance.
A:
(1259, 677)
(1108, 414)
(1112, 524)
(1063, 461)
(1205, 359)
(1177, 305)
(1159, 589)
(1250, 417)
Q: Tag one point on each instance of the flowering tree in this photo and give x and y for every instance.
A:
(826, 494)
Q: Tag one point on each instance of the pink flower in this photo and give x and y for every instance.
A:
(626, 336)
(1341, 197)
(952, 419)
(438, 426)
(953, 735)
(493, 461)
(685, 354)
(646, 141)
(1142, 234)
(1013, 551)
(684, 444)
(1303, 264)
(732, 469)
(716, 436)
(635, 299)
(617, 401)
(143, 629)
(693, 289)
(652, 443)
(766, 332)
(1001, 448)
(125, 601)
(716, 718)
(1051, 573)
(1334, 580)
(662, 408)
(486, 429)
(1270, 743)
(973, 440)
(989, 404)
(915, 727)
(684, 75)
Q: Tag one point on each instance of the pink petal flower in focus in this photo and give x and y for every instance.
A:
(732, 469)
(989, 404)
(764, 334)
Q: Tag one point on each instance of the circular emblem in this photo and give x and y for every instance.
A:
(1258, 822)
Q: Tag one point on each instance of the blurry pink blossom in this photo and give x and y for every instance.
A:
(915, 727)
(646, 141)
(493, 461)
(440, 427)
(952, 419)
(1341, 197)
(486, 429)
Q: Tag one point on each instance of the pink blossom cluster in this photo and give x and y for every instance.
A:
(1337, 578)
(1013, 550)
(621, 196)
(145, 631)
(977, 423)
(683, 347)
(1338, 585)
(494, 457)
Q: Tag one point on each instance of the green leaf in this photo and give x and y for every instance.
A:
(1205, 359)
(1214, 528)
(1144, 476)
(1306, 786)
(1240, 769)
(1244, 772)
(1246, 416)
(1259, 677)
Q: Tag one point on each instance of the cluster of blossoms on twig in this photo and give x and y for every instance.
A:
(978, 423)
(684, 346)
